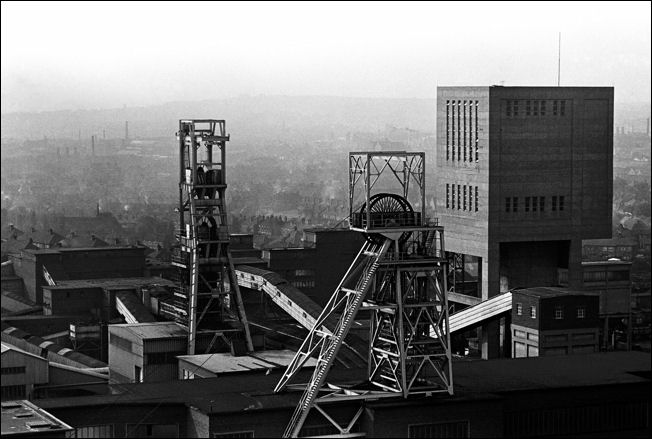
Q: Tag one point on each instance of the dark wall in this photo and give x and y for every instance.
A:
(569, 305)
(533, 264)
(527, 301)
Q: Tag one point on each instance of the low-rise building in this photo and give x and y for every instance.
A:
(145, 352)
(21, 418)
(553, 321)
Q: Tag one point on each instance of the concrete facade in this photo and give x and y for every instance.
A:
(517, 143)
(523, 175)
(145, 352)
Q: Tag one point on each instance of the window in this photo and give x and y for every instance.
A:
(554, 107)
(581, 312)
(534, 204)
(528, 107)
(235, 434)
(104, 430)
(559, 312)
(13, 370)
(533, 312)
(448, 196)
(515, 108)
(542, 203)
(459, 195)
(554, 203)
(13, 392)
(453, 128)
(562, 108)
(514, 204)
(470, 198)
(448, 130)
(527, 204)
(508, 202)
(519, 309)
(453, 197)
(464, 119)
(561, 202)
(476, 198)
(543, 108)
(476, 131)
(453, 429)
(536, 108)
(464, 198)
(459, 130)
(508, 111)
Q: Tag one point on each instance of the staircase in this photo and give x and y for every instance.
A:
(346, 302)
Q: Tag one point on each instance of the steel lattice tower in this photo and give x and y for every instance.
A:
(207, 299)
(399, 276)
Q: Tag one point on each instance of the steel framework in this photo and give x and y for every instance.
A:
(399, 276)
(208, 300)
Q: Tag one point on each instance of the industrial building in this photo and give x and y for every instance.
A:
(554, 321)
(523, 175)
(21, 418)
(593, 394)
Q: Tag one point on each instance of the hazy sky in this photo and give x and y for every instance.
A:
(101, 55)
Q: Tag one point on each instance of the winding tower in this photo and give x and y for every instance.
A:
(399, 278)
(207, 298)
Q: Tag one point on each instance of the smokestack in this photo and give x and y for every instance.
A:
(93, 145)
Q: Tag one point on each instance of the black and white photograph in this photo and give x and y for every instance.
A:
(280, 219)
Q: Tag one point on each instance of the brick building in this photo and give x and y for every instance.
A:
(553, 321)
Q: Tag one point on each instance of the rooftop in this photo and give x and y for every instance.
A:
(110, 283)
(153, 329)
(22, 418)
(255, 391)
(545, 292)
(221, 363)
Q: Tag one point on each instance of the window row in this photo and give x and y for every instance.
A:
(13, 370)
(535, 108)
(462, 134)
(534, 204)
(519, 310)
(462, 197)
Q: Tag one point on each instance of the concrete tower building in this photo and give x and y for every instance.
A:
(524, 174)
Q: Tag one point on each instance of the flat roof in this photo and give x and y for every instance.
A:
(23, 418)
(153, 329)
(110, 283)
(240, 392)
(543, 292)
(221, 363)
(46, 251)
(608, 262)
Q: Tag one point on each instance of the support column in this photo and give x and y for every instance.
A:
(490, 341)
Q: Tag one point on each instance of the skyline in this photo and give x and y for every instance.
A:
(132, 56)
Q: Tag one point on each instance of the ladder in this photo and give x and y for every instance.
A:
(346, 302)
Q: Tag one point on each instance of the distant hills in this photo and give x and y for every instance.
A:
(255, 118)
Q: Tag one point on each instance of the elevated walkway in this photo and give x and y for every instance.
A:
(476, 314)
